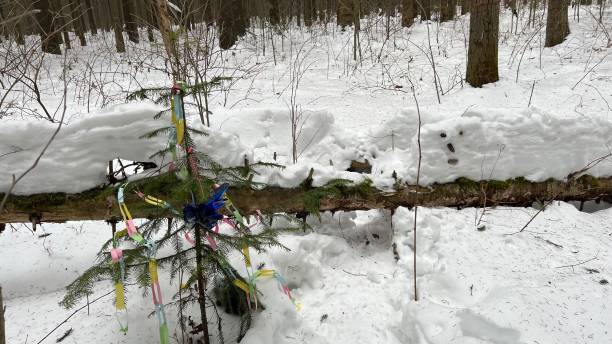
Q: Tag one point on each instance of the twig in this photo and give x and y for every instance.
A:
(531, 96)
(354, 274)
(589, 166)
(416, 194)
(546, 204)
(66, 334)
(590, 70)
(57, 130)
(550, 242)
(579, 263)
(71, 315)
(486, 185)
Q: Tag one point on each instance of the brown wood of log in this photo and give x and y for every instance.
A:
(99, 203)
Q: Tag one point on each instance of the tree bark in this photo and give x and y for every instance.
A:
(115, 13)
(309, 16)
(424, 8)
(97, 204)
(557, 25)
(91, 18)
(274, 13)
(201, 283)
(151, 21)
(76, 14)
(131, 26)
(408, 13)
(482, 52)
(170, 44)
(63, 20)
(465, 6)
(448, 8)
(231, 22)
(49, 35)
(345, 13)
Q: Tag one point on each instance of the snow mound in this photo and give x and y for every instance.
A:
(489, 144)
(77, 159)
(479, 144)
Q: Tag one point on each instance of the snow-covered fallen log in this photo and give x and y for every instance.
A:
(99, 203)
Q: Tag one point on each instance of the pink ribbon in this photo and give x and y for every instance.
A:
(156, 292)
(209, 238)
(188, 238)
(116, 254)
(131, 228)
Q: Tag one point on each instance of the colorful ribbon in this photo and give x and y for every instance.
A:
(178, 117)
(165, 205)
(250, 287)
(121, 312)
(151, 251)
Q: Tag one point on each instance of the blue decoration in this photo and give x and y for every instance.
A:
(206, 214)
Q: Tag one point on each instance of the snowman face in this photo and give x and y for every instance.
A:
(448, 147)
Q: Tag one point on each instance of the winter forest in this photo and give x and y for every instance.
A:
(305, 171)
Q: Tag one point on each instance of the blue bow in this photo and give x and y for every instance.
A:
(206, 214)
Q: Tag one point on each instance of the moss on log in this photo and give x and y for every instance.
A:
(100, 204)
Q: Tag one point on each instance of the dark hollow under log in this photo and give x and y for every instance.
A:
(100, 204)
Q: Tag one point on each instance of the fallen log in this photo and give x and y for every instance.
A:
(99, 203)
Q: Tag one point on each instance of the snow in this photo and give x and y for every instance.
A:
(474, 287)
(349, 110)
(543, 285)
(479, 144)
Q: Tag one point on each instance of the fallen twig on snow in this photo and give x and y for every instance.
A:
(579, 263)
(73, 313)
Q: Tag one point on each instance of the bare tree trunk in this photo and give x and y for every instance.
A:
(14, 9)
(3, 30)
(63, 20)
(48, 33)
(231, 22)
(273, 13)
(482, 52)
(165, 26)
(557, 25)
(408, 13)
(424, 8)
(151, 21)
(131, 26)
(19, 35)
(308, 12)
(448, 9)
(115, 13)
(345, 13)
(76, 14)
(465, 6)
(90, 17)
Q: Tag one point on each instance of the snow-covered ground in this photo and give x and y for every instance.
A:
(474, 286)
